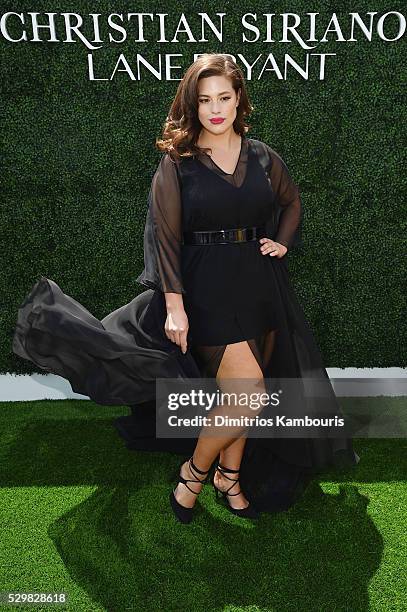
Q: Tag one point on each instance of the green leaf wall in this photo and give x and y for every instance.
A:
(78, 158)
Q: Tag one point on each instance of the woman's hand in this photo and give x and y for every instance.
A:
(272, 248)
(176, 327)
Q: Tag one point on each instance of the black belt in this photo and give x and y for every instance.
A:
(241, 234)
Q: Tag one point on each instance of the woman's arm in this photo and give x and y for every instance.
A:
(163, 248)
(288, 198)
(166, 217)
(163, 232)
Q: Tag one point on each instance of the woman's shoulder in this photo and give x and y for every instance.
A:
(170, 166)
(269, 157)
(265, 148)
(167, 163)
(166, 170)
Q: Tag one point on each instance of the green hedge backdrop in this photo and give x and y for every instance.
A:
(79, 156)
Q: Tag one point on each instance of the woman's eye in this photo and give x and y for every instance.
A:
(224, 98)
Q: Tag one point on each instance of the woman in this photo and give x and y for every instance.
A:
(222, 213)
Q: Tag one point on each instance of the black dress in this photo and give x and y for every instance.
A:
(231, 292)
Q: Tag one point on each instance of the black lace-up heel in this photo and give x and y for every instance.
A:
(248, 512)
(184, 514)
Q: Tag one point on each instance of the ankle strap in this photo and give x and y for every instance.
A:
(222, 470)
(197, 469)
(225, 469)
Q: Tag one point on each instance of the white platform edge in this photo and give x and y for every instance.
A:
(388, 382)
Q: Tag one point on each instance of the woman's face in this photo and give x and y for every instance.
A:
(217, 100)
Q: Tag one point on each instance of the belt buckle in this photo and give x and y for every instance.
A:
(240, 235)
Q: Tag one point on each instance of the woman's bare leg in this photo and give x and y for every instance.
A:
(238, 362)
(231, 457)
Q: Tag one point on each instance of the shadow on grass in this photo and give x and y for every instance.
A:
(125, 548)
(87, 451)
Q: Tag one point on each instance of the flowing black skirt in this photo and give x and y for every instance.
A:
(117, 360)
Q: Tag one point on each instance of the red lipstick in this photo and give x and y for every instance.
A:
(217, 120)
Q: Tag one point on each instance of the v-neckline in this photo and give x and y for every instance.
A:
(222, 174)
(237, 163)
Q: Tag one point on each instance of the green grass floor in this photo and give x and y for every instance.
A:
(79, 513)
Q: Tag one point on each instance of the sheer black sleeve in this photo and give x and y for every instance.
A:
(287, 200)
(163, 231)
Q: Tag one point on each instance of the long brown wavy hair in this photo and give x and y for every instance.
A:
(182, 126)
